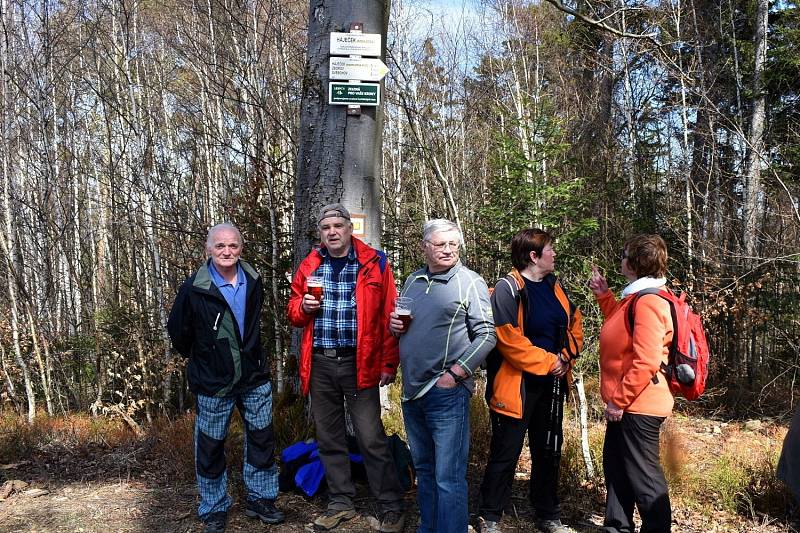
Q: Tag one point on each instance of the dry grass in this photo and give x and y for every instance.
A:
(715, 469)
(393, 417)
(291, 420)
(673, 454)
(480, 426)
(573, 464)
(19, 439)
(173, 444)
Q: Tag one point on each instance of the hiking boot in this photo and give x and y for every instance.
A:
(265, 511)
(553, 526)
(215, 522)
(392, 522)
(332, 518)
(488, 526)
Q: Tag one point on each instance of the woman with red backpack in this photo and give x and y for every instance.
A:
(637, 395)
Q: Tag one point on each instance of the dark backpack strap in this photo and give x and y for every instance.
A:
(381, 260)
(674, 344)
(494, 359)
(515, 291)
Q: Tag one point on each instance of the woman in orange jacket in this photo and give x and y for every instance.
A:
(538, 337)
(636, 393)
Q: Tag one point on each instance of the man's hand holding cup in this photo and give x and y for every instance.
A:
(400, 318)
(312, 299)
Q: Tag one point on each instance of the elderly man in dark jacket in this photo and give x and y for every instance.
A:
(216, 322)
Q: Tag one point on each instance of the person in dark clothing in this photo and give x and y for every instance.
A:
(539, 335)
(216, 323)
(789, 463)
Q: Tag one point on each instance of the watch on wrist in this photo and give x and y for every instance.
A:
(456, 377)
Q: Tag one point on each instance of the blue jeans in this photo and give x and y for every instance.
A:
(437, 426)
(211, 427)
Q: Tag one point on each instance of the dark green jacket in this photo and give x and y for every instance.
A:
(202, 327)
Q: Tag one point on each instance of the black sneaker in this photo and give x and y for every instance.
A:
(215, 522)
(265, 511)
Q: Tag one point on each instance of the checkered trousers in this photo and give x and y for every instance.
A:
(211, 427)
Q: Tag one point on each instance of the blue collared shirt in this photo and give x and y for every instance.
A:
(235, 295)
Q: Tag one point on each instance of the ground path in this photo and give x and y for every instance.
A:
(120, 490)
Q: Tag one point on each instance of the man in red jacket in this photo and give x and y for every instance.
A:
(346, 353)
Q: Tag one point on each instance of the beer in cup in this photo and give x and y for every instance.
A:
(402, 306)
(314, 287)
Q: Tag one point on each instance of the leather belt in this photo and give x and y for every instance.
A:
(335, 352)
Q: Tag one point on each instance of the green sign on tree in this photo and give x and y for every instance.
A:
(343, 93)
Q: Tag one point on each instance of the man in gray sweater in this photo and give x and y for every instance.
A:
(449, 336)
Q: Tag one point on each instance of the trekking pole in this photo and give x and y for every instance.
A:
(552, 422)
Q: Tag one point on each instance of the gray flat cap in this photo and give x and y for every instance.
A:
(333, 210)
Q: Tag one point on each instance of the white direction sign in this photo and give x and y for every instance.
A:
(351, 68)
(355, 44)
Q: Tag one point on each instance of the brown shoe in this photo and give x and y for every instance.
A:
(332, 518)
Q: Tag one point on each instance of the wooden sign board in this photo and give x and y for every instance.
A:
(359, 225)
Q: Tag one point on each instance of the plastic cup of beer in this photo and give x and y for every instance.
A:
(402, 306)
(314, 287)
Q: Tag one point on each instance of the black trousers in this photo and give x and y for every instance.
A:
(542, 420)
(333, 381)
(634, 476)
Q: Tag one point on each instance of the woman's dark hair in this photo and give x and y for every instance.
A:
(527, 241)
(647, 255)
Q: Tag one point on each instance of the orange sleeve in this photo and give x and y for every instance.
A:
(652, 334)
(520, 353)
(575, 339)
(607, 302)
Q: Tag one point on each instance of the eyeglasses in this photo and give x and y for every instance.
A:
(623, 254)
(440, 246)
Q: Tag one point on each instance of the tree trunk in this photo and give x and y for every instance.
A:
(37, 354)
(340, 156)
(583, 413)
(753, 195)
(7, 242)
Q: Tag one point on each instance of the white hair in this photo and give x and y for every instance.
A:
(440, 224)
(220, 227)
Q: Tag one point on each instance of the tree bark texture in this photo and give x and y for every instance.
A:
(755, 141)
(340, 156)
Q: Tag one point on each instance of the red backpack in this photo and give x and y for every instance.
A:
(686, 368)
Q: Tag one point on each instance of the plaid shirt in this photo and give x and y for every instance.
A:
(335, 325)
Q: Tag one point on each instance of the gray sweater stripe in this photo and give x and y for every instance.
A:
(463, 361)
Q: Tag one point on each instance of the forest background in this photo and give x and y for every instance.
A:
(131, 126)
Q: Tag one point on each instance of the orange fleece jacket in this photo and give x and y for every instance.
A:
(627, 365)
